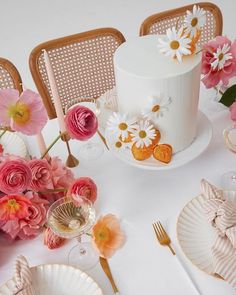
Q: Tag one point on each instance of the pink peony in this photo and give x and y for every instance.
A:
(32, 225)
(232, 109)
(214, 75)
(83, 187)
(14, 207)
(24, 113)
(41, 175)
(62, 177)
(81, 123)
(15, 176)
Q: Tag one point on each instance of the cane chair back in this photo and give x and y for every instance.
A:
(160, 22)
(9, 77)
(82, 65)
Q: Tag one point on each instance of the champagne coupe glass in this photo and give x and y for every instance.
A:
(90, 150)
(69, 221)
(228, 179)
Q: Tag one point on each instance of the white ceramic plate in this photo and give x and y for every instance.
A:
(200, 143)
(13, 144)
(196, 235)
(55, 279)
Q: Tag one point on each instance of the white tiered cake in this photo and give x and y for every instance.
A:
(143, 73)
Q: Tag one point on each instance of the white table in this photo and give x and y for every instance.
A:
(138, 197)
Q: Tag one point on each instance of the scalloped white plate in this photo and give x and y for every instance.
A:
(56, 279)
(198, 146)
(196, 235)
(13, 144)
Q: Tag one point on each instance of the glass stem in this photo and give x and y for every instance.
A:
(51, 145)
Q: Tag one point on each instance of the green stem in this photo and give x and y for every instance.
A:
(199, 51)
(1, 135)
(51, 145)
(218, 90)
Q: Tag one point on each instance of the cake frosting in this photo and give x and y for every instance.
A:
(143, 74)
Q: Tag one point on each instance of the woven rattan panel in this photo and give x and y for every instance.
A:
(83, 69)
(208, 32)
(5, 79)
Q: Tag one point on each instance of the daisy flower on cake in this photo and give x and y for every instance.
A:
(194, 21)
(23, 112)
(175, 44)
(120, 126)
(143, 134)
(156, 106)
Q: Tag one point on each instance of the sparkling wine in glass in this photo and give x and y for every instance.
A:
(70, 221)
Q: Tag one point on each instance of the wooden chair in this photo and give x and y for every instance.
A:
(9, 77)
(82, 64)
(160, 22)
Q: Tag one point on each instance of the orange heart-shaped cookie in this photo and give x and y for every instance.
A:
(127, 139)
(157, 138)
(141, 153)
(163, 153)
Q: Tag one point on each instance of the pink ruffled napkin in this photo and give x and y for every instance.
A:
(23, 277)
(221, 213)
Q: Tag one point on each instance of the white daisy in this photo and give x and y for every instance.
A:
(175, 44)
(120, 146)
(221, 56)
(143, 134)
(194, 21)
(156, 106)
(120, 125)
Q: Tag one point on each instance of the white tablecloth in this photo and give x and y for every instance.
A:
(137, 196)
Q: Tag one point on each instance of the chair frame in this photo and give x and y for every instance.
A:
(149, 21)
(13, 72)
(49, 45)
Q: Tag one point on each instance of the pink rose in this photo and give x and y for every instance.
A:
(15, 176)
(51, 240)
(214, 75)
(33, 224)
(62, 177)
(83, 187)
(41, 175)
(81, 123)
(232, 109)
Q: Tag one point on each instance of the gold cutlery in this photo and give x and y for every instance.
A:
(105, 266)
(165, 240)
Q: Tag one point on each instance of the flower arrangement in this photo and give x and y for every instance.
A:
(139, 134)
(27, 187)
(219, 69)
(181, 42)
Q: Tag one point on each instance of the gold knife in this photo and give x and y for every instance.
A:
(105, 266)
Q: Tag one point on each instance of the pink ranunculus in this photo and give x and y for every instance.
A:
(81, 123)
(83, 187)
(33, 224)
(15, 176)
(11, 228)
(41, 175)
(51, 240)
(14, 207)
(212, 77)
(62, 177)
(23, 112)
(232, 109)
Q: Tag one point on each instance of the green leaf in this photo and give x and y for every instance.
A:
(229, 96)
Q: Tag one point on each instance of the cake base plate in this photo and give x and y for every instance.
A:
(198, 146)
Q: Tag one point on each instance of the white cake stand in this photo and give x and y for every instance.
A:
(198, 146)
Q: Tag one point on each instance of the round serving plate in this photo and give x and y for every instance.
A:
(198, 146)
(196, 235)
(56, 279)
(13, 144)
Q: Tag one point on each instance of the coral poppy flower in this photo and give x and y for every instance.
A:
(24, 113)
(14, 207)
(107, 235)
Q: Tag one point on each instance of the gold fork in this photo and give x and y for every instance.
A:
(165, 240)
